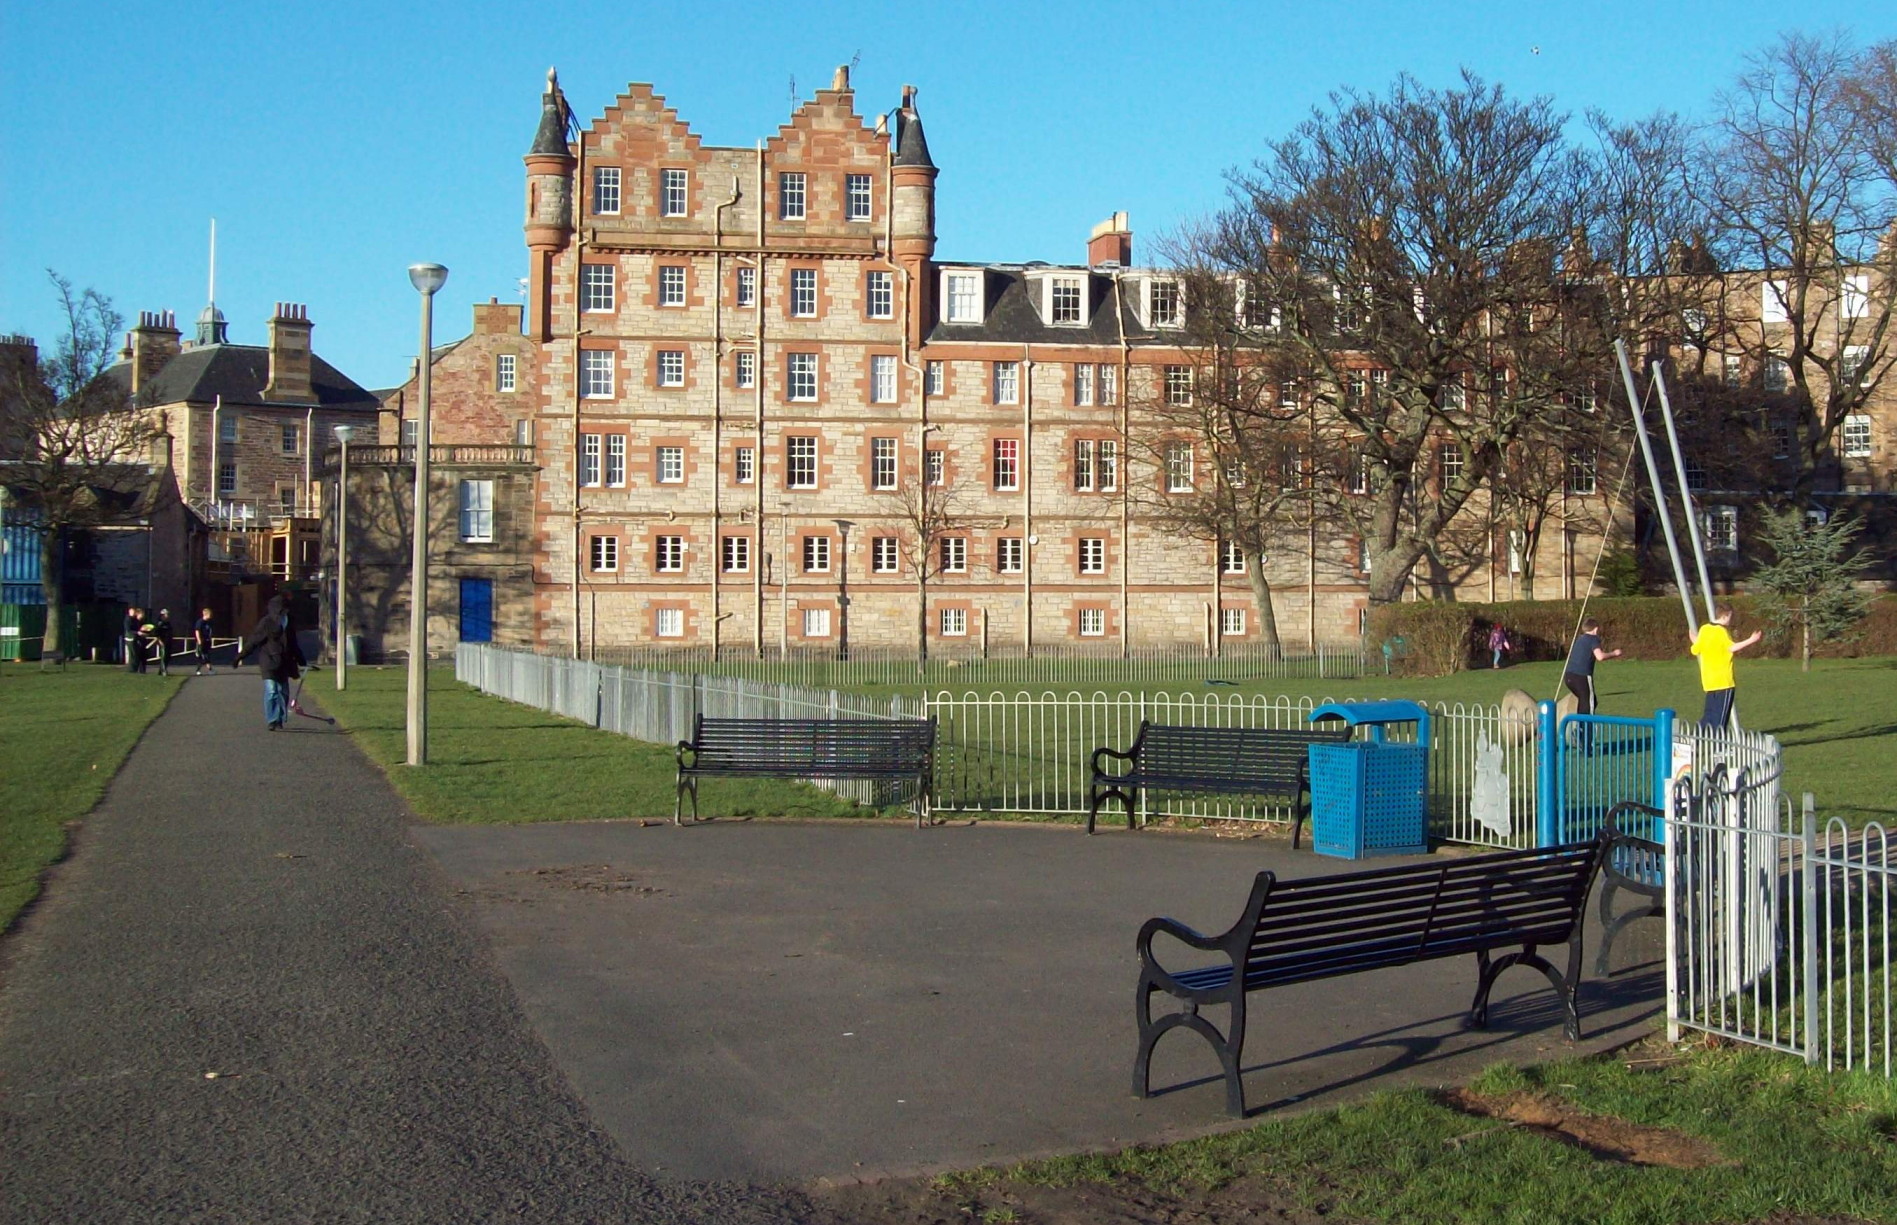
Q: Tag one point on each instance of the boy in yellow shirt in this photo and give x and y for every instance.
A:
(1715, 648)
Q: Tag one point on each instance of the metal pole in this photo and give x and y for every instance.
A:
(1659, 490)
(427, 278)
(342, 570)
(1686, 491)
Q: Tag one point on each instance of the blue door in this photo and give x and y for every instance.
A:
(477, 610)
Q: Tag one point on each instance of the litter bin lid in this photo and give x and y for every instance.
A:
(1376, 714)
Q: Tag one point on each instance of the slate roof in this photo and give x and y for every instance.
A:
(1013, 315)
(239, 374)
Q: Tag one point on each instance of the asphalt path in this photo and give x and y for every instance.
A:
(248, 996)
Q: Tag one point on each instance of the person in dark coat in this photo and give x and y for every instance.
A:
(201, 636)
(128, 637)
(280, 660)
(161, 641)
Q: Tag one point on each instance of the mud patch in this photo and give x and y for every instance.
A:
(1608, 1138)
(589, 878)
(1245, 1201)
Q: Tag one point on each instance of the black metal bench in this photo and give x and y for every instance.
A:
(1301, 930)
(889, 749)
(1266, 762)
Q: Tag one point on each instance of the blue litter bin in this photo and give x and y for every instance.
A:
(1369, 795)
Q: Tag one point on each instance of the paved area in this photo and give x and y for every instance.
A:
(247, 997)
(798, 1001)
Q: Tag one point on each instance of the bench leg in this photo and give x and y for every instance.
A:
(685, 786)
(1565, 987)
(1096, 799)
(1298, 814)
(1230, 1047)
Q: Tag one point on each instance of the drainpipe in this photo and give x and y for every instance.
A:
(717, 404)
(217, 413)
(579, 253)
(757, 455)
(1027, 502)
(309, 455)
(1125, 472)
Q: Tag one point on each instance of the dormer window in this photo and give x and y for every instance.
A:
(1066, 301)
(961, 292)
(1163, 306)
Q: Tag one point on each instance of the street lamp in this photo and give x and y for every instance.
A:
(426, 278)
(344, 433)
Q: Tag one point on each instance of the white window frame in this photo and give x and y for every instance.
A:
(816, 623)
(952, 622)
(1065, 304)
(674, 192)
(858, 202)
(1091, 622)
(746, 373)
(744, 465)
(1231, 558)
(602, 555)
(816, 555)
(1179, 386)
(882, 463)
(882, 378)
(962, 297)
(1852, 363)
(669, 463)
(803, 293)
(879, 295)
(735, 555)
(1006, 469)
(800, 377)
(747, 287)
(1854, 298)
(668, 555)
(885, 558)
(1772, 296)
(290, 439)
(599, 288)
(1449, 461)
(1010, 555)
(1179, 464)
(1163, 292)
(792, 195)
(524, 432)
(954, 554)
(668, 622)
(408, 431)
(590, 449)
(934, 378)
(506, 372)
(616, 461)
(1093, 554)
(1583, 475)
(1083, 465)
(605, 185)
(671, 285)
(1107, 457)
(671, 367)
(935, 466)
(227, 480)
(1732, 369)
(227, 428)
(1854, 436)
(800, 461)
(1231, 622)
(1083, 385)
(1777, 375)
(596, 374)
(1109, 384)
(477, 511)
(1721, 527)
(1005, 382)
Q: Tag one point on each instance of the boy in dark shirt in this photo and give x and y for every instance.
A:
(1578, 676)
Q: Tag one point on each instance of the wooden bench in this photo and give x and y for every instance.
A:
(1265, 762)
(1298, 931)
(893, 749)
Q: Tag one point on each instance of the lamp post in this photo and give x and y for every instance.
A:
(843, 588)
(343, 435)
(427, 278)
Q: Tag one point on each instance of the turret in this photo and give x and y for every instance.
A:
(549, 204)
(912, 175)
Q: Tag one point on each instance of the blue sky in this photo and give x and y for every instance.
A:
(338, 142)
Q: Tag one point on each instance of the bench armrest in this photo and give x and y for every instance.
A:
(684, 747)
(1094, 761)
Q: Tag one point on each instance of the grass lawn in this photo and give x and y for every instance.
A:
(1777, 1137)
(63, 735)
(492, 762)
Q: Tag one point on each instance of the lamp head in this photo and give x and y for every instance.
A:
(346, 434)
(427, 277)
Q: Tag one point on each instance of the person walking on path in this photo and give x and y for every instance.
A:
(1578, 676)
(128, 637)
(1715, 648)
(1498, 646)
(161, 641)
(201, 638)
(278, 658)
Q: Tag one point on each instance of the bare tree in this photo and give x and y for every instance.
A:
(926, 511)
(1415, 256)
(1800, 181)
(74, 446)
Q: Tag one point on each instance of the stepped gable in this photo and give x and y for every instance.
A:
(639, 128)
(826, 130)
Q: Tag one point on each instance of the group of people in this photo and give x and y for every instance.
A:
(146, 640)
(1712, 645)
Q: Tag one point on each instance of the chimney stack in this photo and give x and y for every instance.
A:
(290, 356)
(1111, 244)
(153, 343)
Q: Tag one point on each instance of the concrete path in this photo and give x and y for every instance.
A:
(248, 997)
(798, 1001)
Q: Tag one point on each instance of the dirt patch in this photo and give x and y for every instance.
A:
(1607, 1138)
(591, 878)
(1246, 1201)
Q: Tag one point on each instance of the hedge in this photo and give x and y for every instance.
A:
(1442, 637)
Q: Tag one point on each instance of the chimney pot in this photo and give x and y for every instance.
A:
(1111, 243)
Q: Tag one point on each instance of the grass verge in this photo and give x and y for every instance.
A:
(63, 735)
(1794, 1141)
(492, 762)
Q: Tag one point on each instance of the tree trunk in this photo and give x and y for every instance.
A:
(1267, 616)
(1389, 571)
(922, 625)
(49, 587)
(1804, 633)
